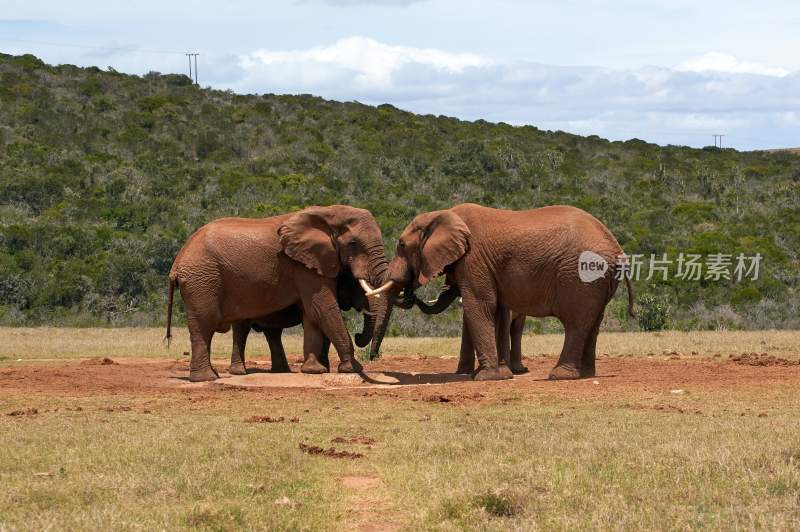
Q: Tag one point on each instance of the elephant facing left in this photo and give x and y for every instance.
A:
(236, 269)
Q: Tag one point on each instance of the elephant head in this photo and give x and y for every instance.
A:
(430, 243)
(342, 242)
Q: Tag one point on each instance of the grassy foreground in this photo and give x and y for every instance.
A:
(30, 343)
(649, 460)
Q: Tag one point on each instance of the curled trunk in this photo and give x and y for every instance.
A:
(442, 302)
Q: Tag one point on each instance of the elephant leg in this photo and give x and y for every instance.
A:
(323, 311)
(479, 315)
(517, 327)
(466, 358)
(569, 363)
(502, 332)
(324, 358)
(313, 343)
(276, 352)
(240, 331)
(589, 350)
(200, 368)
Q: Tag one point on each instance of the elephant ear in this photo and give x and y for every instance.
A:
(308, 238)
(445, 240)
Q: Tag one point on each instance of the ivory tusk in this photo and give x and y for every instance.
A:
(368, 290)
(377, 291)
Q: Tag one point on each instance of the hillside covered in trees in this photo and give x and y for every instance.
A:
(104, 175)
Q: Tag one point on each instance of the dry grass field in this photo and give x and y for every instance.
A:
(677, 431)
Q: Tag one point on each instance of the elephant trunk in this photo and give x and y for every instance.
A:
(442, 302)
(375, 311)
(382, 324)
(382, 305)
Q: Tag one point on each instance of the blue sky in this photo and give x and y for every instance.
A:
(672, 72)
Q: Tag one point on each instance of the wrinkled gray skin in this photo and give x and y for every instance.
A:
(509, 354)
(349, 295)
(236, 269)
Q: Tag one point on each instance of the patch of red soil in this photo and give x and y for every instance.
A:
(363, 440)
(99, 362)
(267, 419)
(616, 377)
(762, 359)
(26, 412)
(330, 452)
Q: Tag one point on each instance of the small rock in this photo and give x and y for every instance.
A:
(677, 392)
(595, 382)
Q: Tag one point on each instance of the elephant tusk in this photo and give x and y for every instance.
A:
(378, 291)
(368, 290)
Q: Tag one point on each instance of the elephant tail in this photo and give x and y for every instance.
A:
(630, 296)
(173, 282)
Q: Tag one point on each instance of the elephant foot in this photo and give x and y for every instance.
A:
(506, 372)
(313, 366)
(237, 368)
(350, 366)
(491, 374)
(559, 373)
(207, 373)
(588, 372)
(518, 369)
(465, 370)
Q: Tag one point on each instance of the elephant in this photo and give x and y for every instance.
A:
(236, 269)
(529, 262)
(348, 295)
(509, 334)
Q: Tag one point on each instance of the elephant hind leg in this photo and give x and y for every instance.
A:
(200, 368)
(502, 333)
(517, 328)
(466, 357)
(276, 352)
(569, 363)
(240, 331)
(324, 354)
(589, 350)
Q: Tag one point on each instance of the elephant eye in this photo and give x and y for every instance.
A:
(401, 244)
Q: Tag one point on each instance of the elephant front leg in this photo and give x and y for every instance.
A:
(276, 352)
(479, 316)
(240, 331)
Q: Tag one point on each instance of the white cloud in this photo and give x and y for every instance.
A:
(369, 63)
(719, 62)
(681, 105)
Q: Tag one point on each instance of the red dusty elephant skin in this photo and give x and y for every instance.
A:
(236, 269)
(526, 262)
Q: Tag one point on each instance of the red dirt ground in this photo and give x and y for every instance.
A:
(420, 379)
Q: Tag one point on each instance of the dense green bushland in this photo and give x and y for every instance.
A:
(104, 175)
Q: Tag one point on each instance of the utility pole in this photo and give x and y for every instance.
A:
(718, 136)
(190, 55)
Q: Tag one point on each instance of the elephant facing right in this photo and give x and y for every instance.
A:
(525, 262)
